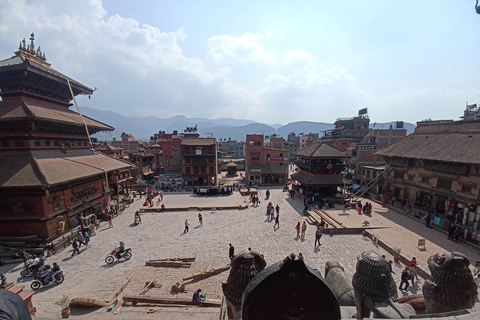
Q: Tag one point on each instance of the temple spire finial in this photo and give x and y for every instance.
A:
(32, 44)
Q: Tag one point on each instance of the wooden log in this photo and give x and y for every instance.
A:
(87, 302)
(206, 274)
(154, 284)
(174, 259)
(147, 286)
(409, 297)
(417, 304)
(119, 290)
(175, 264)
(169, 301)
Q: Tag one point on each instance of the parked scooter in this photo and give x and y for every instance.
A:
(127, 254)
(58, 278)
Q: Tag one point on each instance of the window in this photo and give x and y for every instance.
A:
(444, 183)
(368, 174)
(398, 174)
(187, 170)
(467, 189)
(425, 179)
(38, 143)
(281, 155)
(212, 170)
(406, 193)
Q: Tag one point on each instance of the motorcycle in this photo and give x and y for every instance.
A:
(58, 278)
(127, 254)
(31, 269)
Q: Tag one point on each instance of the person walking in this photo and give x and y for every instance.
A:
(298, 229)
(277, 222)
(75, 247)
(304, 228)
(81, 239)
(186, 226)
(231, 251)
(161, 196)
(413, 265)
(25, 256)
(87, 239)
(277, 208)
(109, 218)
(200, 219)
(318, 236)
(404, 278)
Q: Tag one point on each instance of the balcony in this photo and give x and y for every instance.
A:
(320, 166)
(199, 152)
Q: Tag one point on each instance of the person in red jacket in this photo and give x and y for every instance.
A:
(413, 263)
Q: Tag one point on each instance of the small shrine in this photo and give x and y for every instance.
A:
(232, 169)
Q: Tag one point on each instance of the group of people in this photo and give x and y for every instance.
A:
(214, 191)
(81, 239)
(271, 214)
(254, 200)
(409, 273)
(454, 231)
(365, 208)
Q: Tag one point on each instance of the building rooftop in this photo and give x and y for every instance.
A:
(320, 150)
(45, 169)
(198, 142)
(447, 147)
(16, 109)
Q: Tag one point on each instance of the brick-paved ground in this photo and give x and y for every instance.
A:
(161, 236)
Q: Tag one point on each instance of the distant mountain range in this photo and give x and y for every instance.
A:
(142, 128)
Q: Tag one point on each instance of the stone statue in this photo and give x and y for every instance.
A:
(339, 283)
(289, 289)
(245, 266)
(375, 290)
(451, 286)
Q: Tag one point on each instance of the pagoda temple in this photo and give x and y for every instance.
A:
(51, 179)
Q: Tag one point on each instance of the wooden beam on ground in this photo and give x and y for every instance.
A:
(327, 220)
(147, 286)
(119, 290)
(174, 264)
(205, 274)
(174, 259)
(332, 218)
(169, 301)
(154, 284)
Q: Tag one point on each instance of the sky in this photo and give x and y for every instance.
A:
(267, 61)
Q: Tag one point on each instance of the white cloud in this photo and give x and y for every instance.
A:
(248, 47)
(298, 56)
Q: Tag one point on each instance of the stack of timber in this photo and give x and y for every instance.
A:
(169, 301)
(171, 262)
(205, 274)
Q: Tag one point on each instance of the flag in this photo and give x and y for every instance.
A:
(362, 111)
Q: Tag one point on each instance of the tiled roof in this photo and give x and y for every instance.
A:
(448, 147)
(20, 109)
(198, 142)
(324, 181)
(29, 64)
(320, 150)
(51, 168)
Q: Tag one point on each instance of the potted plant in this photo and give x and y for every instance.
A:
(396, 256)
(64, 303)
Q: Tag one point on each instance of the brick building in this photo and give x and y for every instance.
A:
(437, 169)
(265, 165)
(348, 131)
(171, 151)
(50, 179)
(364, 153)
(199, 160)
(231, 149)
